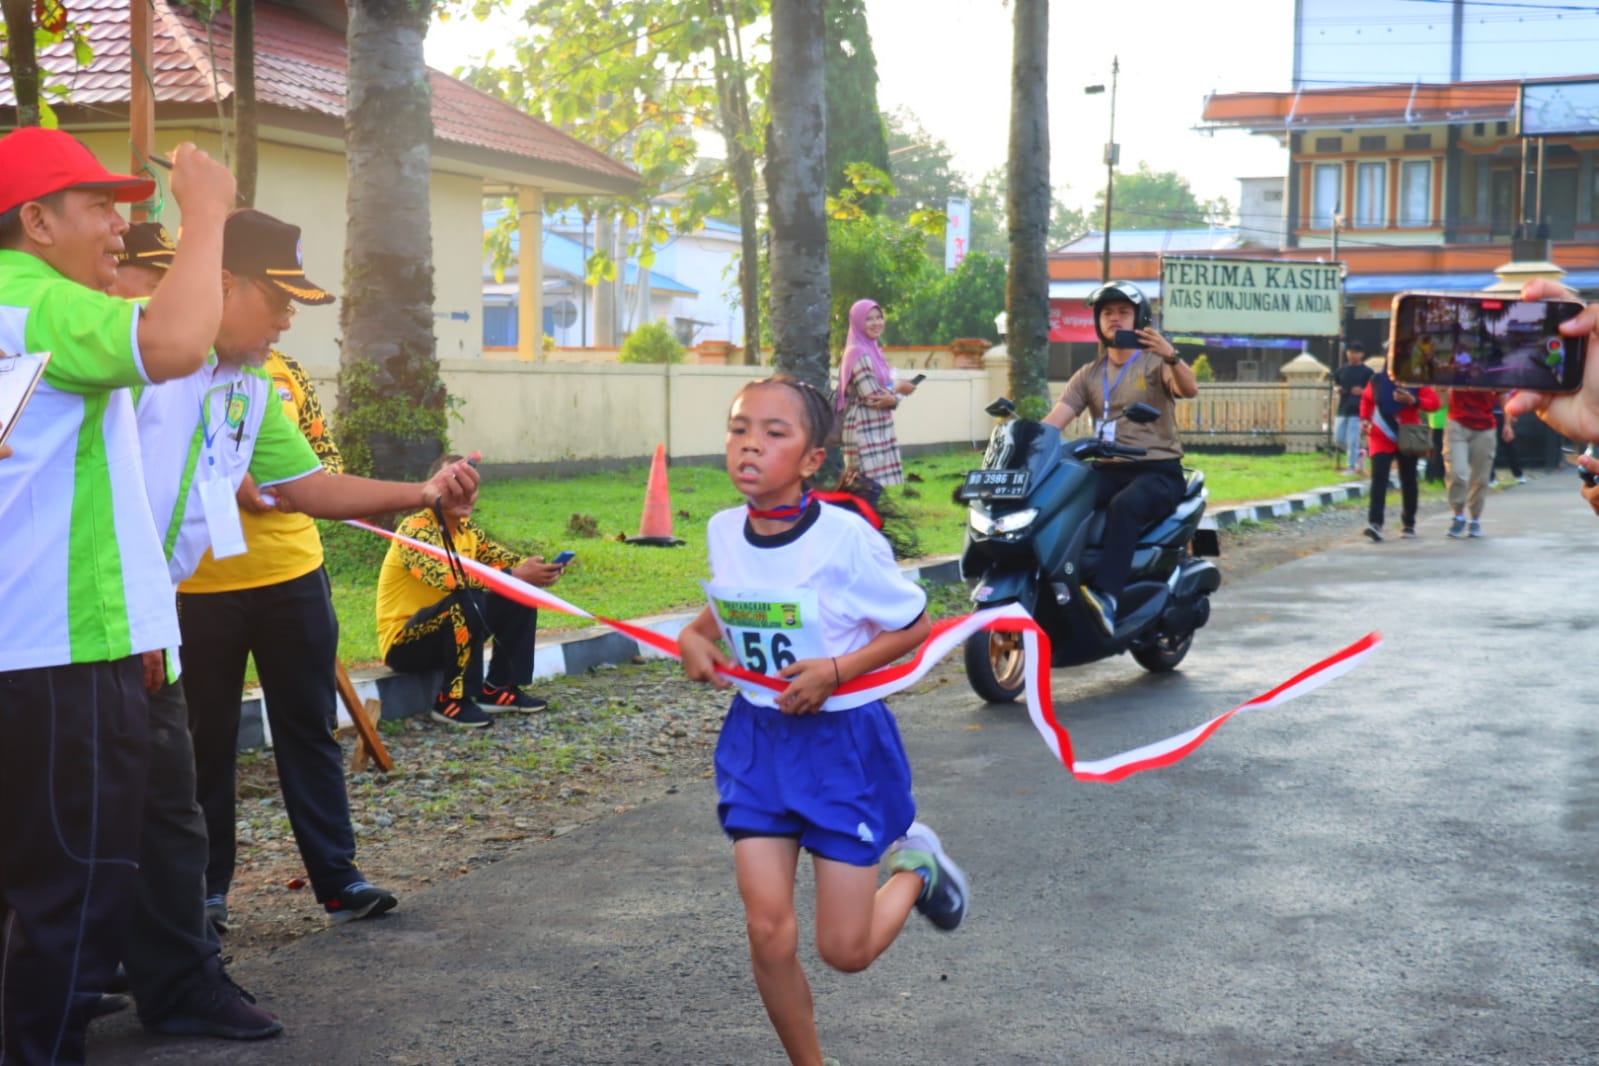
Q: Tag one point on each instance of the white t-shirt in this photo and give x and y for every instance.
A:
(838, 559)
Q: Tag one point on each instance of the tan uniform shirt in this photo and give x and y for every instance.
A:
(1143, 379)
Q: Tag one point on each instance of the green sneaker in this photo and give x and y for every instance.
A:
(944, 889)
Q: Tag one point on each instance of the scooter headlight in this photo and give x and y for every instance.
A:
(1005, 524)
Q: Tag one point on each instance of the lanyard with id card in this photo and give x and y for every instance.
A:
(217, 493)
(1105, 430)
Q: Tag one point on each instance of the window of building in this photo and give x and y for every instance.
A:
(1371, 195)
(1373, 142)
(1501, 128)
(1325, 201)
(1415, 192)
(1415, 142)
(1329, 144)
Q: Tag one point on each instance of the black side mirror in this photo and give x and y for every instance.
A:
(1001, 408)
(1141, 413)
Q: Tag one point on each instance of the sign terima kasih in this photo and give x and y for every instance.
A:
(1258, 297)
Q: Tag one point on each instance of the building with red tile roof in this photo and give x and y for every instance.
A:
(482, 146)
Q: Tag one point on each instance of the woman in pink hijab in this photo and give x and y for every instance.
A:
(867, 396)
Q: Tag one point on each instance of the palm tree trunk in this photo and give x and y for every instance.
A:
(1027, 205)
(391, 399)
(244, 120)
(796, 172)
(733, 95)
(22, 59)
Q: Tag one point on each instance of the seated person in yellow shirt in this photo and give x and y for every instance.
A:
(427, 621)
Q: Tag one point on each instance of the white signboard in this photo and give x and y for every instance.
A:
(1251, 297)
(958, 233)
(1554, 108)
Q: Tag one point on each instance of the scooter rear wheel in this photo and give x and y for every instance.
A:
(996, 665)
(1164, 652)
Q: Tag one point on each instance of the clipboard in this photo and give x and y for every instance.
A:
(19, 376)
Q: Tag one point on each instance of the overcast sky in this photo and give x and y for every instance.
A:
(948, 63)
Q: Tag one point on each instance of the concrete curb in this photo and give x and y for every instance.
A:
(579, 651)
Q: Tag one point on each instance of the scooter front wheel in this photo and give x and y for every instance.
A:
(996, 665)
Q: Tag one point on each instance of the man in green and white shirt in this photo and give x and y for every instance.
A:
(82, 573)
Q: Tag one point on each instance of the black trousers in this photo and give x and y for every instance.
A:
(1132, 495)
(1381, 463)
(432, 640)
(168, 938)
(1435, 458)
(73, 763)
(293, 633)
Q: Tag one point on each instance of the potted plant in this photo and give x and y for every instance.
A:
(968, 352)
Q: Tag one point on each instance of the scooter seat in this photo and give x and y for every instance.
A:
(1193, 493)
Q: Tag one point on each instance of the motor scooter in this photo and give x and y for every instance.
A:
(1033, 537)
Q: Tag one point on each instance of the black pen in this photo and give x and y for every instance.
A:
(160, 161)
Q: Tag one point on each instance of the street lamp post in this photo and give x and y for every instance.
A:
(1112, 153)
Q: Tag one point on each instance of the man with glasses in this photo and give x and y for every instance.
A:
(199, 437)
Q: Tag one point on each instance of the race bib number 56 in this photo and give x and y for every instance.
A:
(768, 629)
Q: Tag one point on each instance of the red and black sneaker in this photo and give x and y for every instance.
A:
(509, 699)
(461, 713)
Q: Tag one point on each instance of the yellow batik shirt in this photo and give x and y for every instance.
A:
(282, 546)
(411, 580)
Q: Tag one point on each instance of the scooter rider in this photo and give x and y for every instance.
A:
(1133, 492)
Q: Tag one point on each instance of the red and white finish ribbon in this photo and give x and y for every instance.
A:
(948, 636)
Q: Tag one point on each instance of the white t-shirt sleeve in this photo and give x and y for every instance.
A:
(877, 590)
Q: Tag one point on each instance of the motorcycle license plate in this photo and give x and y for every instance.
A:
(995, 485)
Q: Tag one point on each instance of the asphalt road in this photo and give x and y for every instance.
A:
(1399, 868)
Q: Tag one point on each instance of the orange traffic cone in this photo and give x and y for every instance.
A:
(655, 528)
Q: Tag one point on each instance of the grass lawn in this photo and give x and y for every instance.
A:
(587, 514)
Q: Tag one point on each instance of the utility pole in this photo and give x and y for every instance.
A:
(1112, 154)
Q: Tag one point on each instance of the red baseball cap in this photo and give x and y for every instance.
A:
(35, 162)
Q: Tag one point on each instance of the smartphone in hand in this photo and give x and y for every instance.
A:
(564, 558)
(1484, 341)
(918, 379)
(1126, 339)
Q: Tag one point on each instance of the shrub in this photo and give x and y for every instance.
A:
(653, 342)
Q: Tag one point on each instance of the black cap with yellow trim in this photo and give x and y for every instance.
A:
(257, 245)
(146, 244)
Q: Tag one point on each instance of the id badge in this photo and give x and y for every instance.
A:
(222, 517)
(1107, 430)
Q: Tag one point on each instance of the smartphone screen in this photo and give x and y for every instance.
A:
(918, 379)
(564, 558)
(1484, 342)
(1125, 339)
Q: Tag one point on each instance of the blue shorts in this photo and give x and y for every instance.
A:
(837, 781)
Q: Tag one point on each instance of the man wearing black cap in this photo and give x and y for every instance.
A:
(274, 602)
(199, 436)
(142, 265)
(81, 567)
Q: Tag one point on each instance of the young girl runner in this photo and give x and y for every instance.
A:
(810, 593)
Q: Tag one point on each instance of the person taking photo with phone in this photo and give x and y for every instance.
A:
(1135, 365)
(432, 617)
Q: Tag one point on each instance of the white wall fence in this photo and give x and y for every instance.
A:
(575, 416)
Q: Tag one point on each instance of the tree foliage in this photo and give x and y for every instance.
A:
(961, 303)
(1156, 199)
(854, 126)
(652, 342)
(635, 80)
(989, 220)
